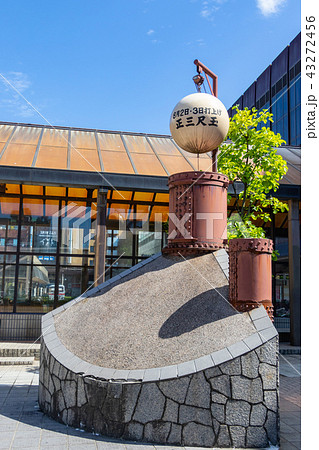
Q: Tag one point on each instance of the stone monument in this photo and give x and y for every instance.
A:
(158, 353)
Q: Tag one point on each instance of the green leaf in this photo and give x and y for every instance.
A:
(252, 158)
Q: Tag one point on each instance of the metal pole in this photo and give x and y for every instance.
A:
(294, 272)
(57, 262)
(16, 276)
(214, 157)
(100, 240)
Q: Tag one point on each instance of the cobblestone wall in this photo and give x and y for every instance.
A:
(233, 404)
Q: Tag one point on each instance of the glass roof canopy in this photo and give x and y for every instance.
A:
(93, 150)
(60, 156)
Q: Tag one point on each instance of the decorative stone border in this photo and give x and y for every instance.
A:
(259, 317)
(223, 260)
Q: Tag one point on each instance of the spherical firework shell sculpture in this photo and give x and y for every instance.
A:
(199, 123)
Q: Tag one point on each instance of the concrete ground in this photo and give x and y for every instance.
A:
(23, 426)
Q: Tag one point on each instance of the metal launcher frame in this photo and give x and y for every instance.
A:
(214, 91)
(208, 73)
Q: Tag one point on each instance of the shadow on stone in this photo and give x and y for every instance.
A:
(205, 308)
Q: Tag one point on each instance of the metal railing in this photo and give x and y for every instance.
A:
(20, 327)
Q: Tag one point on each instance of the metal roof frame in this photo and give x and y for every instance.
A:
(81, 178)
(121, 182)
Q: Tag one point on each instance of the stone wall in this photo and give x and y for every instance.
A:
(231, 404)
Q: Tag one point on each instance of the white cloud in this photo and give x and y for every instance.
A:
(209, 7)
(268, 7)
(15, 83)
(150, 33)
(18, 79)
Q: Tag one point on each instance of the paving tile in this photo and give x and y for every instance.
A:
(26, 443)
(7, 435)
(31, 432)
(110, 446)
(18, 447)
(168, 447)
(26, 427)
(136, 374)
(238, 349)
(168, 372)
(290, 418)
(296, 428)
(152, 374)
(5, 444)
(136, 446)
(253, 341)
(120, 375)
(6, 427)
(84, 446)
(263, 323)
(186, 368)
(288, 435)
(53, 442)
(284, 428)
(52, 447)
(198, 448)
(257, 313)
(221, 356)
(268, 334)
(203, 363)
(285, 445)
(78, 439)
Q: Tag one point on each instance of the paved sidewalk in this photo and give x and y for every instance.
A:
(290, 402)
(23, 426)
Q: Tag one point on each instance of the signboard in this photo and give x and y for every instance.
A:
(199, 123)
(45, 239)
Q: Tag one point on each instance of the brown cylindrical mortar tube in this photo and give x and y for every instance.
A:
(250, 274)
(198, 212)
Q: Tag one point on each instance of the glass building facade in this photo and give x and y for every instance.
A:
(278, 89)
(295, 104)
(47, 241)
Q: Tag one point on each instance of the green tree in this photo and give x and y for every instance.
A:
(251, 158)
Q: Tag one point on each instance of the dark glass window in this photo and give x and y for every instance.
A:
(39, 228)
(9, 217)
(7, 281)
(47, 249)
(279, 108)
(267, 124)
(295, 111)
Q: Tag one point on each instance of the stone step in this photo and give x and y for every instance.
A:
(19, 349)
(17, 361)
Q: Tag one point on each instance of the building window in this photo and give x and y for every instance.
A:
(279, 108)
(262, 124)
(50, 242)
(295, 111)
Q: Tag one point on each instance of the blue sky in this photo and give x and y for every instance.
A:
(124, 65)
